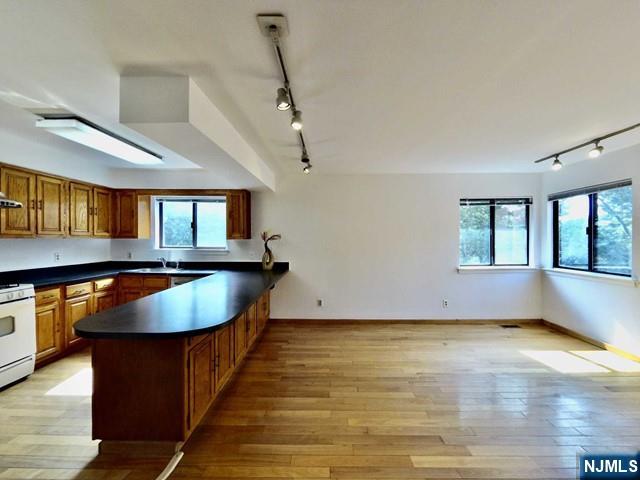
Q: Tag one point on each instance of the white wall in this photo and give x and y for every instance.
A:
(606, 310)
(21, 254)
(386, 247)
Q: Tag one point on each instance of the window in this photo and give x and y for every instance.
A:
(192, 223)
(593, 227)
(494, 231)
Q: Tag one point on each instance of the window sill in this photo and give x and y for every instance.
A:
(497, 269)
(592, 276)
(208, 251)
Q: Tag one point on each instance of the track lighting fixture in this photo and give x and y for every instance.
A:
(596, 151)
(282, 100)
(275, 27)
(296, 120)
(557, 164)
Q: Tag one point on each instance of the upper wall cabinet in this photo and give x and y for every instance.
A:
(80, 210)
(51, 206)
(21, 186)
(238, 214)
(102, 219)
(132, 215)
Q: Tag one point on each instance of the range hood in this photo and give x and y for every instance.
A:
(6, 203)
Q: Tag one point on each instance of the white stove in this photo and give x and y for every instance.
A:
(17, 332)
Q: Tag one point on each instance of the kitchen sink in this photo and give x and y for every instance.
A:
(160, 270)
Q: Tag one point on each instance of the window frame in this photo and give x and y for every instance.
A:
(194, 222)
(493, 203)
(592, 194)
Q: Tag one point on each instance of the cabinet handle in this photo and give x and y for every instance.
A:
(33, 204)
(40, 204)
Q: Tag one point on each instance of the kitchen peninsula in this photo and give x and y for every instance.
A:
(160, 361)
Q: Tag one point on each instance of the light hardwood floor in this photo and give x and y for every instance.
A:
(414, 401)
(359, 401)
(45, 429)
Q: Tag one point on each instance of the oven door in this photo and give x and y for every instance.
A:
(17, 330)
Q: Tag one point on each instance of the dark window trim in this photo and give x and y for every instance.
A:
(194, 222)
(492, 203)
(592, 194)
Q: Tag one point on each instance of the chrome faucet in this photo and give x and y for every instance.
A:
(178, 263)
(164, 261)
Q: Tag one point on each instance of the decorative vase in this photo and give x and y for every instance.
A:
(268, 258)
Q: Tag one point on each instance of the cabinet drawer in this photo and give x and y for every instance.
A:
(156, 283)
(131, 282)
(47, 296)
(103, 284)
(78, 289)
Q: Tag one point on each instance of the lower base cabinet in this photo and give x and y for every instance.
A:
(225, 355)
(49, 333)
(76, 309)
(201, 379)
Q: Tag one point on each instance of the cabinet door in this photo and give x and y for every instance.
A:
(240, 327)
(126, 214)
(252, 323)
(51, 206)
(20, 186)
(127, 296)
(263, 311)
(201, 380)
(224, 355)
(48, 330)
(238, 215)
(102, 212)
(103, 301)
(75, 310)
(80, 210)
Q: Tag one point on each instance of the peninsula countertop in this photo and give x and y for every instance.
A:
(198, 307)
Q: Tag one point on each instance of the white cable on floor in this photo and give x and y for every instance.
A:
(171, 466)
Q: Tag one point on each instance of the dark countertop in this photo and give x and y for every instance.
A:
(201, 306)
(49, 276)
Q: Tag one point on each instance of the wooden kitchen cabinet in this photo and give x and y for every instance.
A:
(102, 206)
(224, 351)
(240, 340)
(104, 300)
(133, 287)
(77, 305)
(201, 383)
(263, 311)
(80, 210)
(21, 186)
(252, 324)
(49, 324)
(132, 215)
(51, 206)
(238, 214)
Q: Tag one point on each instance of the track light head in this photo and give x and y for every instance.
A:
(307, 168)
(283, 102)
(557, 164)
(296, 120)
(596, 151)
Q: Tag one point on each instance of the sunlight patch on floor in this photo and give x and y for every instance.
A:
(564, 362)
(609, 360)
(78, 385)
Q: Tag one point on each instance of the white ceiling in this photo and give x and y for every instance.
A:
(393, 86)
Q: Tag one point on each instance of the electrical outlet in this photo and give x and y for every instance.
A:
(445, 303)
(129, 255)
(57, 257)
(320, 302)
